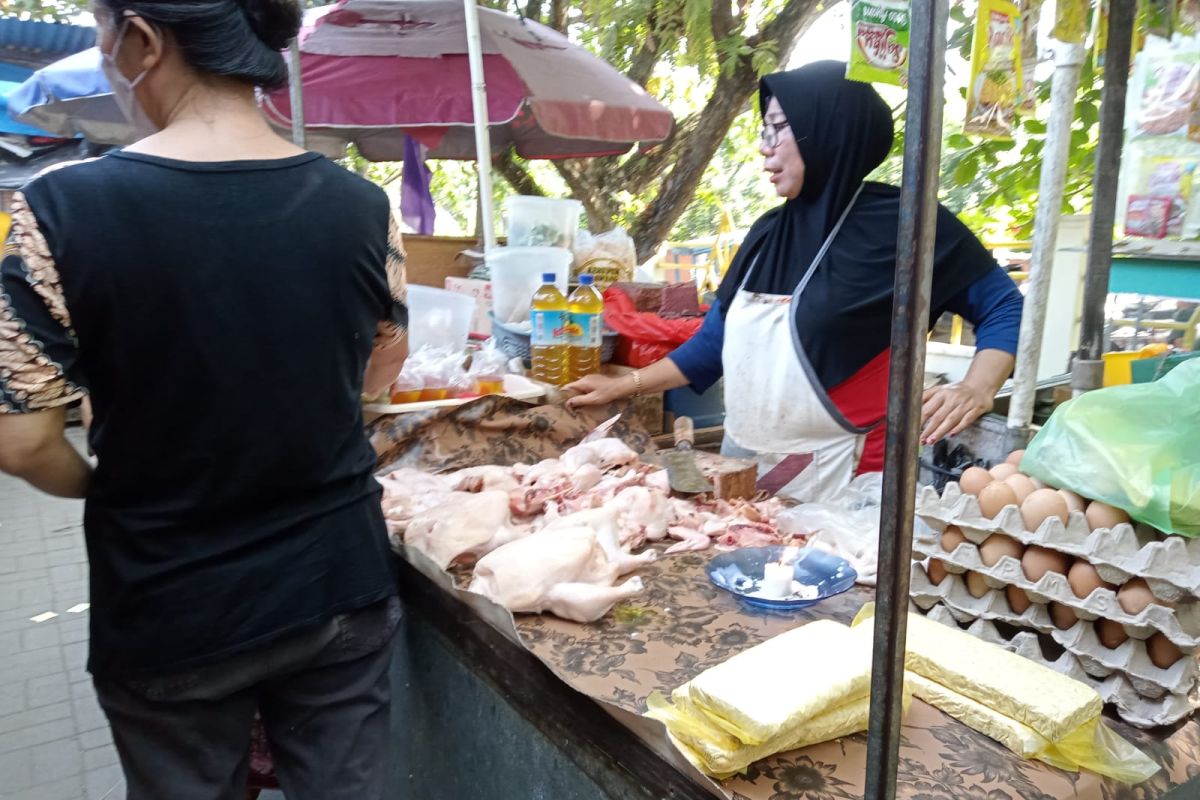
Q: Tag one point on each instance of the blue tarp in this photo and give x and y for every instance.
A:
(7, 123)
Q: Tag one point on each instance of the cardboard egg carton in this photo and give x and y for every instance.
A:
(1129, 659)
(1115, 689)
(1171, 566)
(1181, 624)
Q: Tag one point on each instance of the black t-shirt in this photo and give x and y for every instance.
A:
(220, 317)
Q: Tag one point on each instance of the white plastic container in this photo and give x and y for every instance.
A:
(438, 318)
(517, 274)
(542, 221)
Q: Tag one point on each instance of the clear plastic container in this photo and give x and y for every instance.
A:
(517, 273)
(438, 318)
(542, 221)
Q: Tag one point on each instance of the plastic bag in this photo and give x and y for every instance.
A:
(996, 82)
(847, 524)
(1163, 87)
(1135, 447)
(644, 338)
(607, 257)
(441, 372)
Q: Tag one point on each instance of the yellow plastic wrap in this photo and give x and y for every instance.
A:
(996, 81)
(818, 666)
(1029, 708)
(720, 755)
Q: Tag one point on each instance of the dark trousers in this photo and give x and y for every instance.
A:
(323, 695)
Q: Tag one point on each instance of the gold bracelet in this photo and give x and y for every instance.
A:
(637, 382)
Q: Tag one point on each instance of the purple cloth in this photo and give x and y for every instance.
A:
(416, 201)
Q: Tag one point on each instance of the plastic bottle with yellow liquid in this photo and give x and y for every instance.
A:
(549, 348)
(586, 306)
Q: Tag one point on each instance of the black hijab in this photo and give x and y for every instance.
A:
(843, 318)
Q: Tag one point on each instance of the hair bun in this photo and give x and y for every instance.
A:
(275, 22)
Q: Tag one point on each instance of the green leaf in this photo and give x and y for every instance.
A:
(966, 171)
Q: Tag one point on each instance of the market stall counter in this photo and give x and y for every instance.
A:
(488, 705)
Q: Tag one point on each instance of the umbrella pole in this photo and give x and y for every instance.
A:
(296, 94)
(483, 139)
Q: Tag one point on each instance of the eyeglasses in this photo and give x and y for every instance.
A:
(769, 135)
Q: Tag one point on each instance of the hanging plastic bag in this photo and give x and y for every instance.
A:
(1135, 447)
(608, 257)
(879, 52)
(996, 82)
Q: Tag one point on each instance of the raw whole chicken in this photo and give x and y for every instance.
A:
(464, 527)
(408, 492)
(482, 479)
(568, 568)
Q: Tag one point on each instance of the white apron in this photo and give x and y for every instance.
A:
(774, 414)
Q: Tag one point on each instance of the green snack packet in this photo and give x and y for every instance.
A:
(879, 53)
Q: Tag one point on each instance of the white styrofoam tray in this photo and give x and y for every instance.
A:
(1130, 659)
(1170, 565)
(1116, 689)
(1180, 624)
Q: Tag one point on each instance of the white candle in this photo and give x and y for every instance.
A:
(777, 580)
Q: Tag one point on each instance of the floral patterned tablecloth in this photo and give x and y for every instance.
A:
(683, 625)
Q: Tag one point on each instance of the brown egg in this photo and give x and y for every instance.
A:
(1062, 616)
(1018, 601)
(1110, 633)
(1162, 651)
(1014, 458)
(1037, 561)
(936, 571)
(1084, 579)
(1040, 506)
(994, 497)
(952, 537)
(976, 585)
(1022, 485)
(1074, 501)
(1102, 515)
(1002, 471)
(974, 479)
(1135, 595)
(997, 546)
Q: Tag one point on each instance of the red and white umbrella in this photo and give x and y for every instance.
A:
(374, 71)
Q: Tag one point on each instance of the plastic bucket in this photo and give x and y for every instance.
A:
(1118, 365)
(542, 221)
(517, 274)
(438, 318)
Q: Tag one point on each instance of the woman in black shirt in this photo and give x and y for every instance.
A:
(223, 298)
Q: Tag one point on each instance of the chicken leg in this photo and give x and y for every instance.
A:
(584, 602)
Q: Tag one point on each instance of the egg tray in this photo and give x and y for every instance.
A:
(1181, 625)
(1130, 659)
(1170, 566)
(1115, 690)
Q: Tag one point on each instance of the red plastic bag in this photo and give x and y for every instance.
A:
(644, 337)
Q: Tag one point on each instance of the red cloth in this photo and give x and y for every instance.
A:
(862, 399)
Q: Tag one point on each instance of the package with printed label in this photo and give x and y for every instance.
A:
(996, 83)
(879, 52)
(482, 292)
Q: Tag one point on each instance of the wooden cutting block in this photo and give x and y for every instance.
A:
(731, 477)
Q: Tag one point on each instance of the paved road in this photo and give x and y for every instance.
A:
(54, 739)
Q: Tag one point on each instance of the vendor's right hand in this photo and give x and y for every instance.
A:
(599, 390)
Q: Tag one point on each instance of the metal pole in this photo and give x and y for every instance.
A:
(296, 94)
(910, 325)
(1068, 62)
(483, 139)
(1088, 370)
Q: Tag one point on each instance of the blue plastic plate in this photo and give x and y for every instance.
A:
(740, 572)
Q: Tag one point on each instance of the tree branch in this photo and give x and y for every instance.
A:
(533, 10)
(558, 15)
(517, 176)
(723, 23)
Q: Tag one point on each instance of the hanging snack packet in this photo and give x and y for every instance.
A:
(1070, 21)
(879, 52)
(996, 80)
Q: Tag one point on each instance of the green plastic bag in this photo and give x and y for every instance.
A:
(1136, 447)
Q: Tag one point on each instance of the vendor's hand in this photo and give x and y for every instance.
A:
(599, 390)
(950, 409)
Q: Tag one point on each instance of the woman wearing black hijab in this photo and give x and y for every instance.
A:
(801, 327)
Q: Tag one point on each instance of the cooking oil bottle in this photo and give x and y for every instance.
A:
(586, 306)
(549, 348)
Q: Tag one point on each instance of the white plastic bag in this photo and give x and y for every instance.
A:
(847, 524)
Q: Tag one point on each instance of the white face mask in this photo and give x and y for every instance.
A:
(122, 89)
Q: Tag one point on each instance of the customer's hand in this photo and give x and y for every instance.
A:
(950, 409)
(599, 390)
